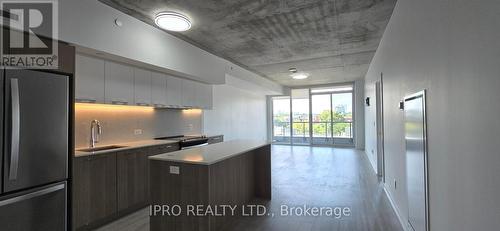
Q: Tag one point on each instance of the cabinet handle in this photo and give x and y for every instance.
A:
(119, 102)
(216, 138)
(86, 100)
(159, 105)
(142, 104)
(169, 146)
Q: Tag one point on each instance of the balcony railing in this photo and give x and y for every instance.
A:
(338, 129)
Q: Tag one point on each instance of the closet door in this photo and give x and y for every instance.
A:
(416, 161)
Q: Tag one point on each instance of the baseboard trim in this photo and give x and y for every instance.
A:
(396, 210)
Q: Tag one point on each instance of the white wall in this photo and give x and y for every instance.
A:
(359, 111)
(236, 113)
(451, 48)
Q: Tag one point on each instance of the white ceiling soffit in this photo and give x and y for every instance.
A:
(250, 87)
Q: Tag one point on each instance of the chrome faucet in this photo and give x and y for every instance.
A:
(95, 132)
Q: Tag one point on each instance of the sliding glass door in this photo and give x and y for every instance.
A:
(332, 115)
(317, 116)
(300, 117)
(321, 119)
(342, 118)
(281, 120)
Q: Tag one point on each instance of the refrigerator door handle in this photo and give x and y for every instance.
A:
(15, 129)
(32, 195)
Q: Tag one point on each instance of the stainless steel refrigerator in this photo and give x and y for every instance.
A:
(34, 141)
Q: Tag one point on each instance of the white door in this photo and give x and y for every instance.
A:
(380, 129)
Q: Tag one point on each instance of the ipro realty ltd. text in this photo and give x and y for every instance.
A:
(249, 210)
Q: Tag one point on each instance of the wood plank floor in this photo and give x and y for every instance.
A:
(312, 176)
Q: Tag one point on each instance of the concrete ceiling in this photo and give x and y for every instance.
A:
(333, 40)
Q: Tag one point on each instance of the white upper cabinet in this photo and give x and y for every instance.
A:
(142, 87)
(119, 84)
(89, 79)
(203, 94)
(159, 89)
(102, 81)
(206, 99)
(174, 92)
(197, 95)
(188, 93)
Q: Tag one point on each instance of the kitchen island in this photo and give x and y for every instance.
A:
(192, 189)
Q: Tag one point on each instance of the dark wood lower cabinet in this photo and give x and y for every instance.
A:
(94, 189)
(131, 179)
(108, 186)
(235, 181)
(156, 150)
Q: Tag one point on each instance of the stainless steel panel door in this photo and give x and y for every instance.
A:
(416, 168)
(1, 127)
(42, 209)
(36, 129)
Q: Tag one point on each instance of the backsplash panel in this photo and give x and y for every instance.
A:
(130, 123)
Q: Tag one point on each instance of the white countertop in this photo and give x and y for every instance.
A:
(210, 154)
(127, 146)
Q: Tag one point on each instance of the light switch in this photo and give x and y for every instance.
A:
(175, 170)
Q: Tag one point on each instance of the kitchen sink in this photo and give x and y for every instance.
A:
(103, 148)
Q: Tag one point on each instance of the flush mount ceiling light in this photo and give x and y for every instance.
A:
(298, 75)
(172, 21)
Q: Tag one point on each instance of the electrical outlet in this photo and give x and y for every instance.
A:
(137, 131)
(175, 170)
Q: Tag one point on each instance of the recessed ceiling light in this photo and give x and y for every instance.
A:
(300, 75)
(172, 21)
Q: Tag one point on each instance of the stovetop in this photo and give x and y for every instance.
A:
(181, 138)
